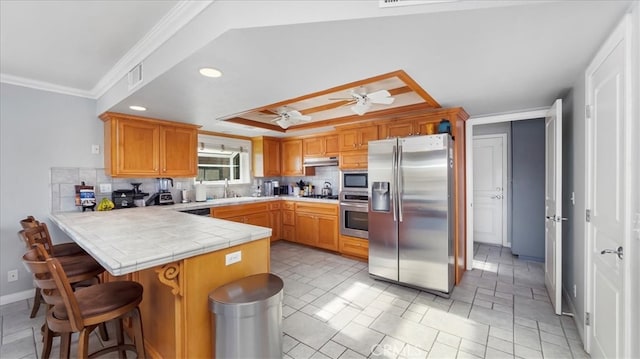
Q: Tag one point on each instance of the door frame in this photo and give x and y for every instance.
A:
(484, 120)
(505, 184)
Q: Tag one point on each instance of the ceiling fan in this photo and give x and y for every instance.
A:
(362, 101)
(287, 117)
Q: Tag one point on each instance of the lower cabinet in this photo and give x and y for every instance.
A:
(356, 247)
(253, 213)
(317, 225)
(275, 220)
(288, 221)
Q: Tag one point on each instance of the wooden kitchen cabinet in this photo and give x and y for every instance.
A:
(354, 160)
(292, 158)
(288, 221)
(275, 220)
(322, 146)
(357, 138)
(317, 224)
(142, 147)
(356, 247)
(266, 156)
(420, 125)
(252, 213)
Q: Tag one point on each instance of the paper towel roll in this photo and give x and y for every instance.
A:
(201, 192)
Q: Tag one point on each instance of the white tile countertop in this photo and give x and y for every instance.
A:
(241, 200)
(128, 240)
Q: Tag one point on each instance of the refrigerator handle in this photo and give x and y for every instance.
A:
(394, 169)
(399, 180)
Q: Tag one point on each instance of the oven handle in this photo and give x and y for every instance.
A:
(354, 204)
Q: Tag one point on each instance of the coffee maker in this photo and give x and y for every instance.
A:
(163, 196)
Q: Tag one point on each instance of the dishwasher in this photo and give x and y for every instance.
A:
(199, 211)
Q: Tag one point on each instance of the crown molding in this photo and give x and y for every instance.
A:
(44, 86)
(181, 14)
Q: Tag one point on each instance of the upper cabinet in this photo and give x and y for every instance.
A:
(357, 138)
(420, 125)
(322, 146)
(266, 157)
(292, 158)
(143, 147)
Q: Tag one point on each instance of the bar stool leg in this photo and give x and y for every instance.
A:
(83, 342)
(65, 345)
(47, 339)
(37, 299)
(138, 337)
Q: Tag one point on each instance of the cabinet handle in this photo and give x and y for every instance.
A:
(354, 145)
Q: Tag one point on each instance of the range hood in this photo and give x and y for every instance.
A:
(320, 161)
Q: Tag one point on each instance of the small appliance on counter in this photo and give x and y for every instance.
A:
(122, 198)
(163, 196)
(284, 189)
(326, 189)
(138, 195)
(276, 188)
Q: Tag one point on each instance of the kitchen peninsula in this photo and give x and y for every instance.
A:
(179, 258)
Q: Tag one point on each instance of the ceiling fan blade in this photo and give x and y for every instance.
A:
(360, 108)
(381, 97)
(283, 123)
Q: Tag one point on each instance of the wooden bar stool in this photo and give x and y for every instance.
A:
(70, 254)
(81, 270)
(85, 309)
(55, 250)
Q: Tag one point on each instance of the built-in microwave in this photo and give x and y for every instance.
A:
(354, 181)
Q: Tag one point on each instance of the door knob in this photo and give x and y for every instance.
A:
(619, 251)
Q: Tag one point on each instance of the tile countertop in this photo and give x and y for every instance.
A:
(129, 240)
(126, 241)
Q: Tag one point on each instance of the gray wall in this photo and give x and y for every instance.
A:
(527, 168)
(38, 130)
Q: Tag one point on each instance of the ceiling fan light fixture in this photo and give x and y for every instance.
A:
(210, 72)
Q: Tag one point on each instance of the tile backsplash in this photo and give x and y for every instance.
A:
(64, 179)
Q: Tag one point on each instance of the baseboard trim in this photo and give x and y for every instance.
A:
(16, 297)
(577, 317)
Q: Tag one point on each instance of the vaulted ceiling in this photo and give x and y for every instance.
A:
(488, 57)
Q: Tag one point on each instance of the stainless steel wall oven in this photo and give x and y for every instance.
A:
(354, 214)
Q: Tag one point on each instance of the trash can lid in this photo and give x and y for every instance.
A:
(254, 288)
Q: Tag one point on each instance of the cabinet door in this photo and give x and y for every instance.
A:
(427, 126)
(348, 140)
(367, 134)
(258, 219)
(271, 158)
(327, 232)
(289, 233)
(288, 218)
(275, 222)
(331, 145)
(137, 150)
(314, 146)
(354, 160)
(306, 229)
(397, 129)
(354, 247)
(178, 152)
(292, 158)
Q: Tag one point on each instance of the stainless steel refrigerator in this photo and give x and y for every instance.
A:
(411, 211)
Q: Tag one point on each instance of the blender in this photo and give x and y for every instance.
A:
(163, 196)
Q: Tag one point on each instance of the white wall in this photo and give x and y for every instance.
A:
(38, 130)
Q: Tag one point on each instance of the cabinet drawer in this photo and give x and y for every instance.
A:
(289, 233)
(239, 210)
(288, 218)
(354, 246)
(290, 206)
(317, 208)
(274, 205)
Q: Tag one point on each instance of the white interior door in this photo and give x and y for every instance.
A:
(608, 197)
(553, 205)
(489, 181)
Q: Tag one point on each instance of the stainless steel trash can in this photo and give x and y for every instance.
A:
(248, 317)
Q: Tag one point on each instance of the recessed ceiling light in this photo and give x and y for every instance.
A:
(138, 108)
(210, 72)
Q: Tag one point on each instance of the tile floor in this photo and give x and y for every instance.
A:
(333, 309)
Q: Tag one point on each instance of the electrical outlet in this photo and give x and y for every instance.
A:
(95, 149)
(178, 185)
(105, 187)
(12, 275)
(234, 257)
